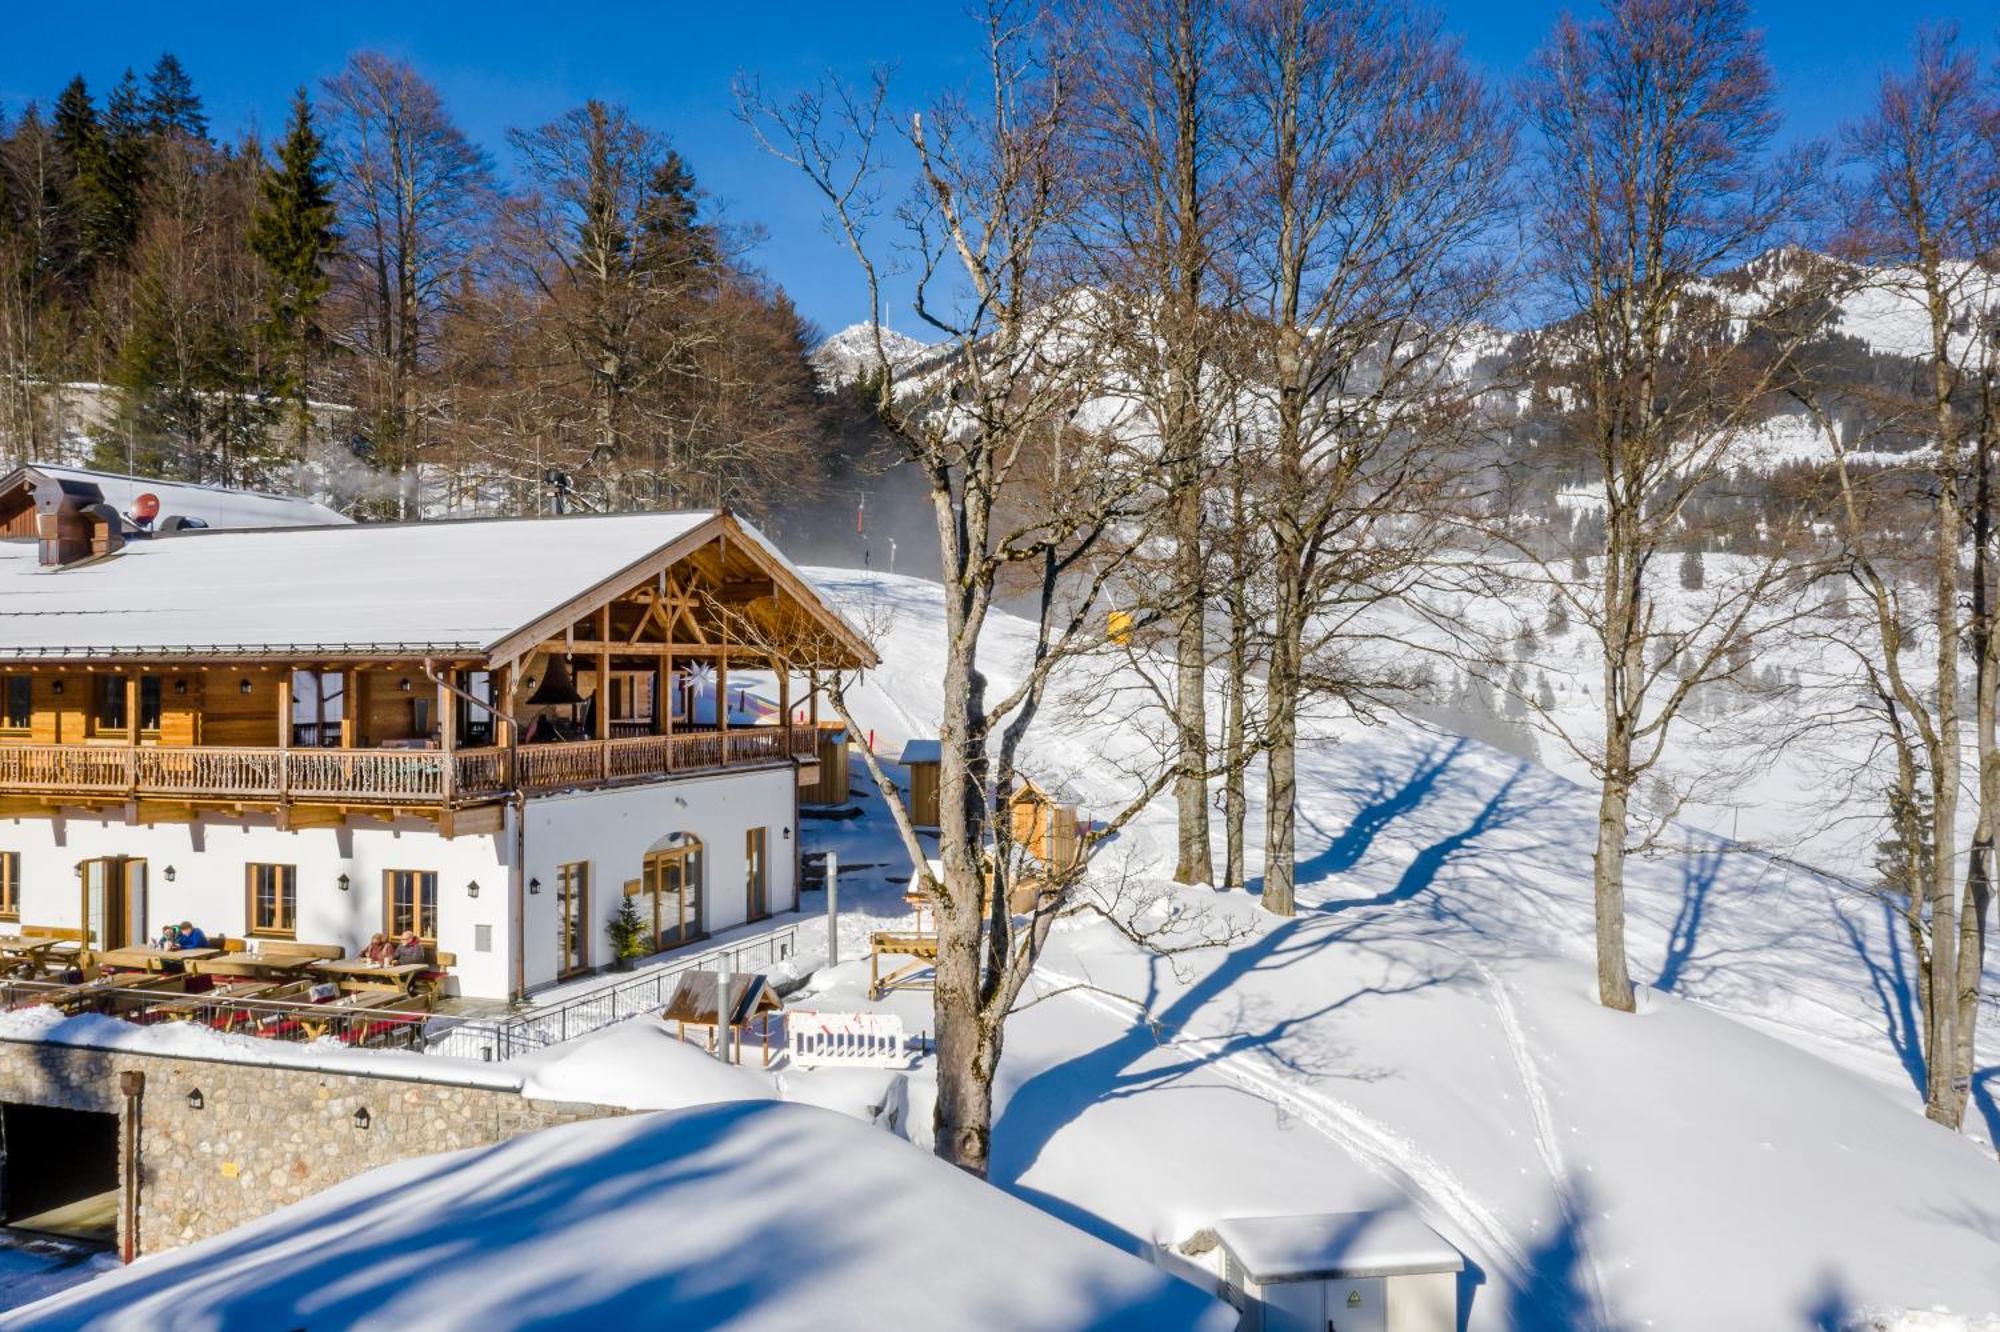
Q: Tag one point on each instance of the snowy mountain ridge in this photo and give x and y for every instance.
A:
(850, 354)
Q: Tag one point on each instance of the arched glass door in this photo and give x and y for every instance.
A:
(671, 890)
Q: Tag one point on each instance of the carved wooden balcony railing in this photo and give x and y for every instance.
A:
(407, 777)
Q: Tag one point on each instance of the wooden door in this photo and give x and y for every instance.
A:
(572, 917)
(757, 877)
(114, 902)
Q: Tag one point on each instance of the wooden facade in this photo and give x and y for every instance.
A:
(364, 732)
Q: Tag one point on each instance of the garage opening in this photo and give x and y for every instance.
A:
(60, 1171)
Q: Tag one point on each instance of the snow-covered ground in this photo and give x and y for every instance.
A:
(740, 1213)
(1749, 1151)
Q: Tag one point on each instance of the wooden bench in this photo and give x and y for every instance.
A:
(284, 948)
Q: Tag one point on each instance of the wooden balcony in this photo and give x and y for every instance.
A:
(404, 778)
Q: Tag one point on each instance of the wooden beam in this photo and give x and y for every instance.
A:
(736, 591)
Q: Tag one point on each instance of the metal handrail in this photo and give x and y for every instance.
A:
(648, 992)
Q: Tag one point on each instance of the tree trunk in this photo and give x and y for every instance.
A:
(1941, 1098)
(1235, 750)
(967, 1051)
(1986, 712)
(1614, 982)
(1281, 748)
(1624, 695)
(1196, 862)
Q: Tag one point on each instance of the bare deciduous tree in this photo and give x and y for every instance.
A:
(1928, 215)
(1376, 162)
(1654, 122)
(415, 197)
(1025, 502)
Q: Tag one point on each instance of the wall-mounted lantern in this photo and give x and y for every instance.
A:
(243, 685)
(55, 686)
(534, 885)
(169, 873)
(180, 688)
(472, 888)
(404, 684)
(343, 882)
(194, 1098)
(361, 1118)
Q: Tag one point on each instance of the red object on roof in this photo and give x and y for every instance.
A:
(146, 507)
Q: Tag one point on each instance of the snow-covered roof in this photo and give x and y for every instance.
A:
(435, 587)
(1384, 1242)
(752, 1214)
(217, 506)
(922, 751)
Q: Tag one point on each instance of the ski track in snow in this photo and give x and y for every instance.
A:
(1387, 1153)
(1546, 1141)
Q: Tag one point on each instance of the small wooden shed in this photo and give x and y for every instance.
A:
(831, 788)
(751, 999)
(1044, 828)
(922, 758)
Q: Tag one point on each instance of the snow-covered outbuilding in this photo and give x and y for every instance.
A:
(751, 1214)
(1374, 1271)
(489, 732)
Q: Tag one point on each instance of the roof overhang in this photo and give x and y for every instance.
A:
(747, 542)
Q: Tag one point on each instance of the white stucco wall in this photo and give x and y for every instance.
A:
(208, 858)
(613, 829)
(609, 829)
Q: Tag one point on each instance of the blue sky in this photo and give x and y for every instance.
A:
(507, 64)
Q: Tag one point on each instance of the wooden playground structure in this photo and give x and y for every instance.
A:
(1050, 834)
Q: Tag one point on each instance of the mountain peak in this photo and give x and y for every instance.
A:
(848, 354)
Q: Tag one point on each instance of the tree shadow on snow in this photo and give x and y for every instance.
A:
(1044, 1104)
(1828, 1307)
(1698, 875)
(1388, 801)
(1895, 994)
(1422, 872)
(1554, 1294)
(1986, 1096)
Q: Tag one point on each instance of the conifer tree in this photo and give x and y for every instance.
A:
(111, 222)
(292, 231)
(171, 105)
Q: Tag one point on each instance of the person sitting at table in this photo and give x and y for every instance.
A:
(379, 952)
(170, 938)
(192, 937)
(410, 951)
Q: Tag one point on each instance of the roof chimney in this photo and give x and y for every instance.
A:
(72, 526)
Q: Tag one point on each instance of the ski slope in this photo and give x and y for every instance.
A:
(1748, 1151)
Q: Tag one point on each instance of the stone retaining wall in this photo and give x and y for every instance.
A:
(262, 1137)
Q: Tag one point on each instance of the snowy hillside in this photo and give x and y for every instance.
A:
(850, 353)
(1747, 1152)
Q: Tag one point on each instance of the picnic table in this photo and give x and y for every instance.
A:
(361, 974)
(89, 991)
(319, 1019)
(148, 958)
(181, 1007)
(36, 950)
(261, 965)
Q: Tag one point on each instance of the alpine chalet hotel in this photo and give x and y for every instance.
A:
(247, 712)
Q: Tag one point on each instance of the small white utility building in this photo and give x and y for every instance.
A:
(1376, 1271)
